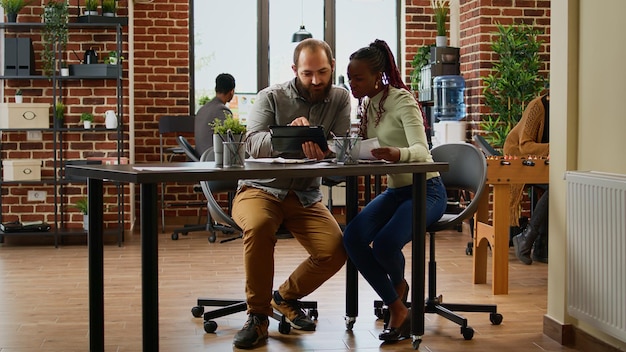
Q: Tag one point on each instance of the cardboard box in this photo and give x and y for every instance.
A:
(24, 115)
(21, 170)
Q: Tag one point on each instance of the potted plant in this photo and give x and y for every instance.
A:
(83, 206)
(91, 8)
(54, 34)
(86, 118)
(65, 71)
(420, 60)
(108, 8)
(12, 8)
(112, 58)
(18, 96)
(59, 114)
(224, 131)
(440, 8)
(514, 81)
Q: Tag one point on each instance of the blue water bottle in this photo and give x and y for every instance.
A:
(448, 100)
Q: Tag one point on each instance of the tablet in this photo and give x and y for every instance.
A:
(289, 139)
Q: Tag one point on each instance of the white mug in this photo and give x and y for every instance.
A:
(110, 119)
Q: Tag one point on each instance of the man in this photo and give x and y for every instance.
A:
(215, 109)
(531, 137)
(262, 205)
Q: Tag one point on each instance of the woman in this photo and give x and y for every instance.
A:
(389, 112)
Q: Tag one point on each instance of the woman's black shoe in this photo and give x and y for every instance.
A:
(397, 334)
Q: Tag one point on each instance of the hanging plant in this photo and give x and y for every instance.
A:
(421, 59)
(55, 17)
(514, 81)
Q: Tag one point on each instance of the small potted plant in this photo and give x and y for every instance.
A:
(12, 8)
(227, 130)
(440, 8)
(91, 7)
(108, 8)
(59, 114)
(86, 118)
(112, 58)
(65, 71)
(18, 96)
(83, 206)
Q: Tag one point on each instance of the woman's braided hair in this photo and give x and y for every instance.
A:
(379, 58)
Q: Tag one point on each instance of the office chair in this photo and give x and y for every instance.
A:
(467, 172)
(486, 148)
(222, 219)
(171, 124)
(223, 186)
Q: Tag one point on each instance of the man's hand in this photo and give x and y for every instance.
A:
(300, 121)
(313, 151)
(388, 153)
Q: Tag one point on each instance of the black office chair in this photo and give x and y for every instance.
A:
(467, 172)
(483, 145)
(222, 219)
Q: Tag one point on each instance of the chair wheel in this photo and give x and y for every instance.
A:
(378, 312)
(467, 333)
(284, 327)
(416, 343)
(175, 236)
(210, 326)
(495, 318)
(350, 322)
(313, 314)
(469, 250)
(212, 238)
(197, 311)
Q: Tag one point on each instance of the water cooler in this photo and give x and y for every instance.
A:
(448, 109)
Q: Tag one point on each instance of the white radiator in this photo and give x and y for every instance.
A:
(596, 243)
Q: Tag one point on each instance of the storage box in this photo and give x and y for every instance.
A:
(94, 70)
(24, 115)
(21, 170)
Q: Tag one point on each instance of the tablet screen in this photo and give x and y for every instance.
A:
(289, 139)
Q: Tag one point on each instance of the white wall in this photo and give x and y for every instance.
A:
(588, 122)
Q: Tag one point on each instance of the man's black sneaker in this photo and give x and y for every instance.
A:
(292, 311)
(253, 331)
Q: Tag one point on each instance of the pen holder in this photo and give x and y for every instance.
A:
(347, 149)
(234, 154)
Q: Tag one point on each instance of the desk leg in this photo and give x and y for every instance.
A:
(149, 267)
(483, 234)
(500, 244)
(418, 276)
(95, 246)
(352, 274)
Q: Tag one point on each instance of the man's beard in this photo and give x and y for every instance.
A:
(313, 97)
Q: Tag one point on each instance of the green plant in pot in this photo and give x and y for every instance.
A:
(87, 119)
(12, 8)
(18, 96)
(59, 113)
(108, 8)
(440, 8)
(55, 32)
(221, 131)
(514, 81)
(91, 7)
(421, 59)
(112, 58)
(82, 205)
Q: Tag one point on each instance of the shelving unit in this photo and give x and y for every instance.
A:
(60, 134)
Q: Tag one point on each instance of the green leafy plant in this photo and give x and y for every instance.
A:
(13, 6)
(18, 92)
(514, 81)
(91, 5)
(421, 59)
(440, 7)
(229, 124)
(203, 99)
(55, 33)
(108, 6)
(86, 116)
(82, 205)
(112, 58)
(59, 110)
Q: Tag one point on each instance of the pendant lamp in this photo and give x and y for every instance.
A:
(302, 33)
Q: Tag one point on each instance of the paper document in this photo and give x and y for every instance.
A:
(280, 160)
(164, 168)
(365, 152)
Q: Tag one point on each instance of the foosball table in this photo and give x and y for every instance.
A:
(502, 172)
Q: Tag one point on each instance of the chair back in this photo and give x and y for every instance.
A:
(189, 150)
(209, 187)
(482, 143)
(467, 171)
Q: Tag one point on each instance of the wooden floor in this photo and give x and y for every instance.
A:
(44, 300)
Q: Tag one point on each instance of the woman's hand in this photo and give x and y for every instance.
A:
(388, 153)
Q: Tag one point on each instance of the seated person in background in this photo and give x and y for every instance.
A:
(390, 112)
(214, 109)
(262, 205)
(531, 137)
